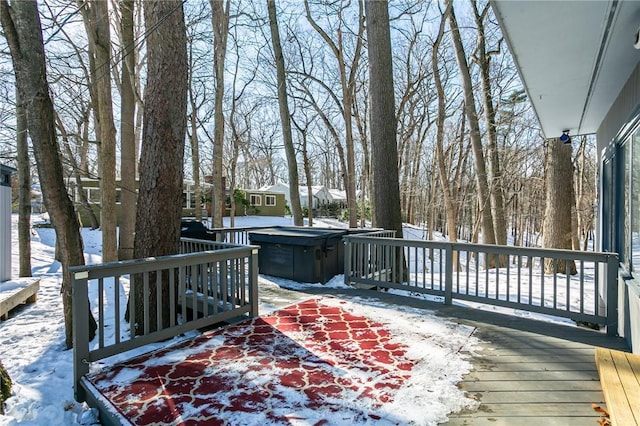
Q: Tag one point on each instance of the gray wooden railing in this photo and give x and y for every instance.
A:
(209, 283)
(236, 235)
(458, 271)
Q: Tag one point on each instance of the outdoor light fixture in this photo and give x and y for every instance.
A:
(565, 139)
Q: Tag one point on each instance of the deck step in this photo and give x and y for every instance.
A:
(620, 379)
(17, 292)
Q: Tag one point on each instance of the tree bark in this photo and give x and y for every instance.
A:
(383, 122)
(495, 172)
(96, 16)
(484, 200)
(220, 23)
(161, 161)
(5, 387)
(128, 157)
(285, 118)
(24, 192)
(557, 229)
(22, 28)
(451, 207)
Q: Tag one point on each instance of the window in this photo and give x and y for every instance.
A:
(93, 195)
(269, 200)
(635, 202)
(255, 200)
(621, 200)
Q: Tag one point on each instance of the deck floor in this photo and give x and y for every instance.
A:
(528, 372)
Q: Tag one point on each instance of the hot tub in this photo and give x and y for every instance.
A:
(308, 255)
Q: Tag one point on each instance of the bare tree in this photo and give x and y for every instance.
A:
(220, 23)
(488, 234)
(347, 73)
(97, 23)
(285, 118)
(383, 123)
(24, 191)
(22, 29)
(161, 160)
(559, 202)
(483, 59)
(450, 203)
(128, 152)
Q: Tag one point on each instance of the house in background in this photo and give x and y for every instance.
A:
(579, 63)
(339, 197)
(261, 203)
(320, 195)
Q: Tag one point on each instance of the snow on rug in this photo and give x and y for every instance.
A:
(313, 363)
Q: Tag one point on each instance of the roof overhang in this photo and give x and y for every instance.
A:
(573, 57)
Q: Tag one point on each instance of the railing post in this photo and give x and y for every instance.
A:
(253, 281)
(80, 328)
(448, 275)
(612, 294)
(347, 260)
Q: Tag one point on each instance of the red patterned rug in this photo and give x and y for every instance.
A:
(308, 364)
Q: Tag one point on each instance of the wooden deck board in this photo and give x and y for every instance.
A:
(16, 292)
(619, 374)
(513, 345)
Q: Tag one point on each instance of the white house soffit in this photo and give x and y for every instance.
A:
(573, 57)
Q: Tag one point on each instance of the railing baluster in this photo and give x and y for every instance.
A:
(224, 284)
(531, 260)
(205, 276)
(145, 298)
(100, 312)
(182, 290)
(116, 307)
(172, 297)
(568, 286)
(555, 283)
(508, 277)
(519, 278)
(542, 274)
(132, 306)
(159, 293)
(582, 287)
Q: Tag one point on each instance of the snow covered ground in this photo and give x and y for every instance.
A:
(33, 351)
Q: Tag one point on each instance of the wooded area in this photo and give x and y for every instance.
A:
(279, 91)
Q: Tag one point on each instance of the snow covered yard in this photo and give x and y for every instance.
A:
(33, 351)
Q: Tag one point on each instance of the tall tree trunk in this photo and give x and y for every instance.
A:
(347, 85)
(22, 29)
(495, 172)
(285, 118)
(450, 206)
(24, 190)
(128, 153)
(383, 123)
(161, 160)
(557, 228)
(96, 15)
(195, 155)
(220, 23)
(488, 234)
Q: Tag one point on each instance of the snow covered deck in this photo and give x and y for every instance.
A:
(314, 362)
(16, 292)
(328, 358)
